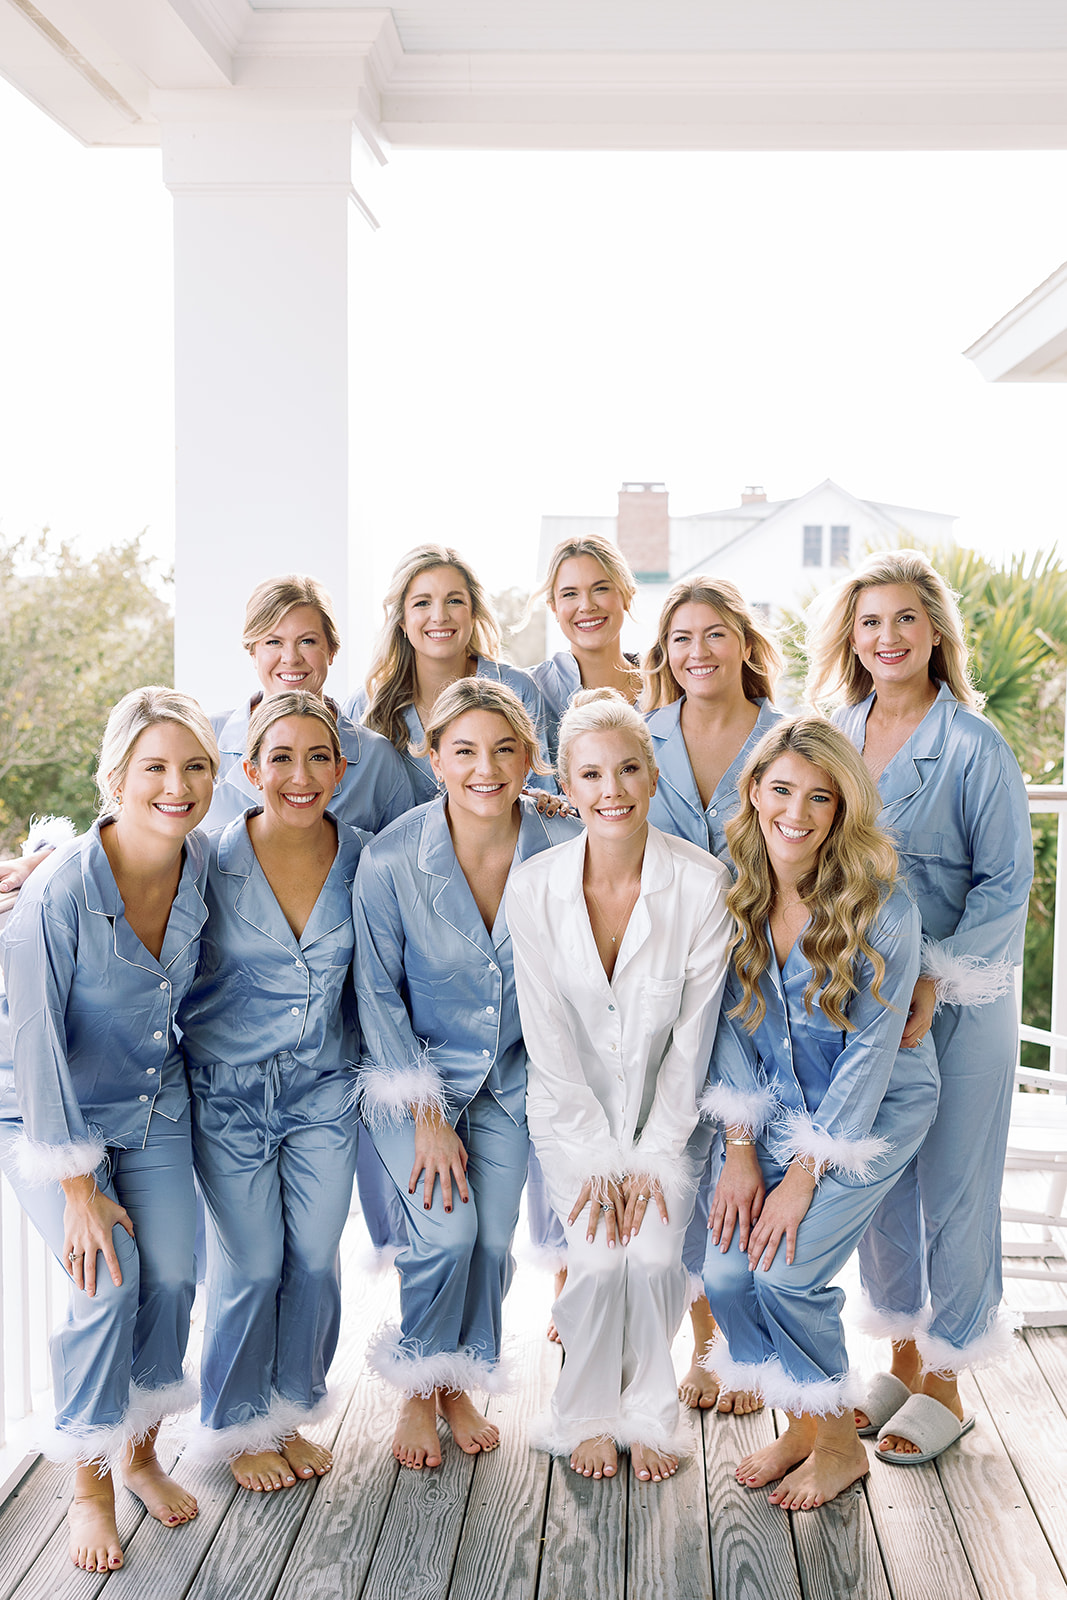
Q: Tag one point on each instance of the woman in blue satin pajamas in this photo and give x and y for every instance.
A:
(822, 1108)
(292, 637)
(270, 1038)
(710, 679)
(94, 1105)
(890, 639)
(443, 1086)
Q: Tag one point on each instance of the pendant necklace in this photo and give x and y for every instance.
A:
(600, 910)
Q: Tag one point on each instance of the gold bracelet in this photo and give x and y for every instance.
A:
(748, 1140)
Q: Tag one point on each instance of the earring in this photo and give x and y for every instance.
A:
(937, 640)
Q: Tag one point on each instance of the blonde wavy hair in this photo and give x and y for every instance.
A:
(836, 672)
(136, 711)
(855, 871)
(759, 673)
(483, 694)
(391, 677)
(616, 567)
(290, 703)
(596, 711)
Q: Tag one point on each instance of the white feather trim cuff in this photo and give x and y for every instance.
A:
(387, 1098)
(107, 1446)
(38, 1164)
(739, 1108)
(825, 1397)
(418, 1373)
(48, 832)
(964, 980)
(265, 1432)
(990, 1348)
(879, 1323)
(675, 1175)
(853, 1158)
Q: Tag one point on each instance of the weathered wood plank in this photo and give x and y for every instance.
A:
(585, 1536)
(752, 1552)
(53, 1576)
(837, 1549)
(30, 1518)
(668, 1550)
(500, 1548)
(417, 1545)
(920, 1543)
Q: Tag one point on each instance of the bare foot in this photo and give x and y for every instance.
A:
(262, 1470)
(774, 1460)
(157, 1491)
(557, 1290)
(595, 1458)
(905, 1365)
(307, 1459)
(826, 1473)
(654, 1465)
(739, 1403)
(698, 1390)
(944, 1389)
(471, 1429)
(94, 1537)
(415, 1442)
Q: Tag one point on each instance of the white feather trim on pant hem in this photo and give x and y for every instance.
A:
(945, 1360)
(387, 1097)
(444, 1369)
(854, 1158)
(39, 1164)
(879, 1323)
(265, 1432)
(107, 1445)
(695, 1290)
(738, 1108)
(549, 1433)
(826, 1397)
(964, 980)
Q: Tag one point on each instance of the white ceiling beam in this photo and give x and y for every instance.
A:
(1029, 343)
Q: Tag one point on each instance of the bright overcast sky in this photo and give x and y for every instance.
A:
(540, 328)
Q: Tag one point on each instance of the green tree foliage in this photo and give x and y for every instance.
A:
(76, 633)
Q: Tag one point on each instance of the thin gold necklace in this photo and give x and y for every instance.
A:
(600, 910)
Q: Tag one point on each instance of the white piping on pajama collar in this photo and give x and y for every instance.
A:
(446, 1369)
(827, 1398)
(146, 1408)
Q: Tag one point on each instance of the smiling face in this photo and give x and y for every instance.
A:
(438, 614)
(167, 785)
(893, 636)
(588, 606)
(797, 803)
(295, 654)
(610, 782)
(297, 771)
(704, 653)
(482, 763)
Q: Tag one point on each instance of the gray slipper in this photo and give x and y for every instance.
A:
(925, 1422)
(885, 1396)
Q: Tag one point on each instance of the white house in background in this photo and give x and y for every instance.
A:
(777, 552)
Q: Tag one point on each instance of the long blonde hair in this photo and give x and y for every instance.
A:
(391, 677)
(856, 869)
(836, 671)
(759, 674)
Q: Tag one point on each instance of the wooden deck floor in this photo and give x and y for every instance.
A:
(989, 1520)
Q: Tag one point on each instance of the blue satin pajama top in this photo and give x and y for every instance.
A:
(676, 805)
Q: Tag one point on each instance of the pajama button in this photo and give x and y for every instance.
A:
(294, 1011)
(142, 1097)
(489, 1011)
(157, 1034)
(163, 985)
(150, 1072)
(614, 1047)
(485, 1052)
(491, 967)
(611, 1008)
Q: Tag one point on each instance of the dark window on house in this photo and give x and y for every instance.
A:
(839, 546)
(813, 544)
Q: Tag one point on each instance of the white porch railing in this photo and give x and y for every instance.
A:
(33, 1286)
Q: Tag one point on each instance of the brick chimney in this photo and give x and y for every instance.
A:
(643, 529)
(752, 492)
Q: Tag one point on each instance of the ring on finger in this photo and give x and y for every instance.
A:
(607, 1205)
(644, 1197)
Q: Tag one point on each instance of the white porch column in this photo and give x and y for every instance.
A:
(265, 213)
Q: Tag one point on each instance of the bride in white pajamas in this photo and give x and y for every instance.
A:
(620, 939)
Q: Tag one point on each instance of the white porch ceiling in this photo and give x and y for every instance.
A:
(589, 74)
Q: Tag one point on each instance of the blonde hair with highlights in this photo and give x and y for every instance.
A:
(836, 671)
(598, 711)
(274, 598)
(483, 694)
(391, 677)
(602, 550)
(843, 892)
(134, 713)
(759, 673)
(290, 703)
